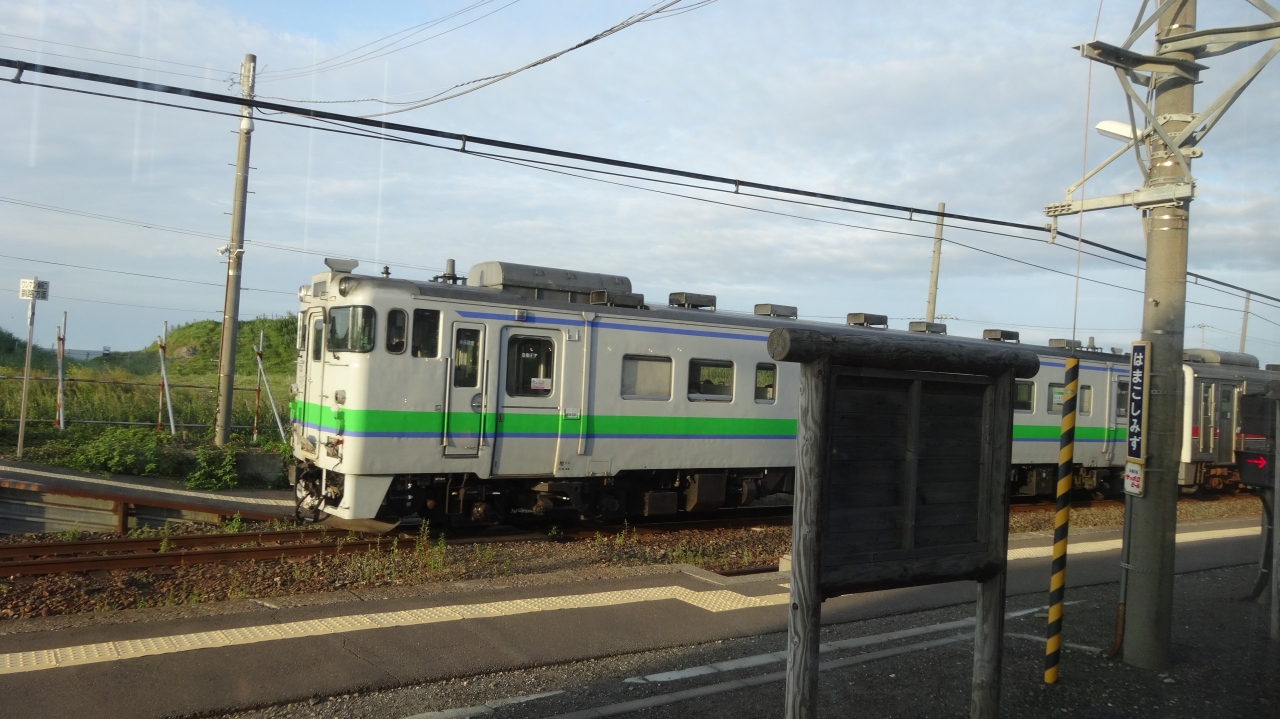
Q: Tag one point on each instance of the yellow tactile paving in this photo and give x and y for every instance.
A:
(720, 600)
(1108, 545)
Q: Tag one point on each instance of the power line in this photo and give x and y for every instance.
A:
(198, 233)
(125, 304)
(385, 127)
(108, 62)
(110, 52)
(135, 274)
(272, 75)
(483, 82)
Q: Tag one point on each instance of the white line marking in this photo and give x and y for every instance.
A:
(735, 684)
(757, 660)
(164, 490)
(1042, 640)
(719, 600)
(1108, 545)
(486, 708)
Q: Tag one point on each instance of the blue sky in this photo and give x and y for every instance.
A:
(978, 104)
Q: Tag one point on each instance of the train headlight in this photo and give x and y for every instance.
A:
(345, 285)
(304, 292)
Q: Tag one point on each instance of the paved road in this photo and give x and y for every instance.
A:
(243, 660)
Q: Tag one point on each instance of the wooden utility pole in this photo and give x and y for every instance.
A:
(235, 253)
(1148, 629)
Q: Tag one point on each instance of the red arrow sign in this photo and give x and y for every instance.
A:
(1258, 462)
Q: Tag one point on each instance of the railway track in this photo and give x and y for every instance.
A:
(129, 553)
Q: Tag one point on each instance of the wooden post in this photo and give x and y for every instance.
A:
(988, 636)
(804, 625)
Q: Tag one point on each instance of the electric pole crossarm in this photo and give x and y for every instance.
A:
(1216, 109)
(1219, 41)
(1131, 61)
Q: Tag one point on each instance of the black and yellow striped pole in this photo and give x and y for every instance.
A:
(1061, 521)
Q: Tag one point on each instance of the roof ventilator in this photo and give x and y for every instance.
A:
(868, 320)
(613, 298)
(692, 301)
(929, 328)
(1066, 344)
(1273, 368)
(1001, 336)
(1206, 356)
(783, 311)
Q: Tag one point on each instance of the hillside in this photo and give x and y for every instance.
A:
(194, 349)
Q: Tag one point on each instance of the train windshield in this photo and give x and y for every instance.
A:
(351, 329)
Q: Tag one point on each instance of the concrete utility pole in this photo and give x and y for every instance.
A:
(1148, 629)
(1244, 323)
(937, 260)
(235, 252)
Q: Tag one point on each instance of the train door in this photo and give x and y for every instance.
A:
(1226, 423)
(527, 429)
(465, 384)
(313, 398)
(1205, 431)
(1118, 424)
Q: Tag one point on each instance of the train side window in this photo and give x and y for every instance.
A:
(1024, 396)
(1122, 400)
(317, 340)
(1084, 399)
(426, 334)
(710, 380)
(466, 357)
(646, 378)
(301, 344)
(351, 329)
(397, 329)
(766, 383)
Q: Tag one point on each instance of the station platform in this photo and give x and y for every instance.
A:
(36, 498)
(238, 656)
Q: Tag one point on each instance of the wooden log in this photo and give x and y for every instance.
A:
(988, 635)
(804, 622)
(902, 351)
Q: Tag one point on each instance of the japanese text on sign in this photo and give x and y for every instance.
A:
(33, 290)
(1137, 401)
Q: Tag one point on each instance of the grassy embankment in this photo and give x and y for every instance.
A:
(192, 359)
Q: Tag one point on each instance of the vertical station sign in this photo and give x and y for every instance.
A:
(1136, 444)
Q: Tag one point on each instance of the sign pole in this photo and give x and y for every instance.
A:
(805, 616)
(62, 353)
(32, 289)
(988, 634)
(1273, 391)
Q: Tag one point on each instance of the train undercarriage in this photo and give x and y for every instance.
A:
(465, 499)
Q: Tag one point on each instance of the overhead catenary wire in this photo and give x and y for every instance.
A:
(385, 127)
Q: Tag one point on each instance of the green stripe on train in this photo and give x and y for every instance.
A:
(399, 421)
(1054, 432)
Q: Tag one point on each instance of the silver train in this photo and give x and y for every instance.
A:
(545, 391)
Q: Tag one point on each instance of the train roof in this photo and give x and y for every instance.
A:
(532, 288)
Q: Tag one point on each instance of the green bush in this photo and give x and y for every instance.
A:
(139, 451)
(215, 468)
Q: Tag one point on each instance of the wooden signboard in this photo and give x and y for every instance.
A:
(902, 479)
(912, 488)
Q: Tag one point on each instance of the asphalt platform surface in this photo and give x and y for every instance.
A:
(491, 664)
